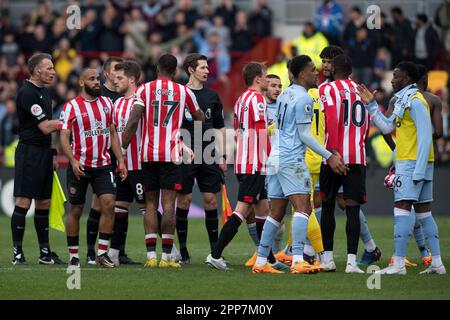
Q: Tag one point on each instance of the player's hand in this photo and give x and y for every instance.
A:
(123, 170)
(389, 180)
(55, 163)
(365, 94)
(337, 164)
(189, 153)
(224, 168)
(78, 169)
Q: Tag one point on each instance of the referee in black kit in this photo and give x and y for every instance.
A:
(33, 175)
(208, 175)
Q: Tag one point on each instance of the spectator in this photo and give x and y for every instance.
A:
(9, 49)
(222, 30)
(90, 29)
(218, 58)
(59, 30)
(260, 19)
(427, 43)
(279, 68)
(41, 42)
(207, 12)
(403, 42)
(329, 20)
(135, 29)
(310, 42)
(171, 29)
(151, 9)
(9, 124)
(228, 10)
(357, 21)
(360, 51)
(380, 66)
(442, 19)
(111, 39)
(63, 62)
(240, 34)
(384, 36)
(190, 13)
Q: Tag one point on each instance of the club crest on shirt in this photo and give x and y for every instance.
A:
(308, 108)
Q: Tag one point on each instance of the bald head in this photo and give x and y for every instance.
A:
(90, 82)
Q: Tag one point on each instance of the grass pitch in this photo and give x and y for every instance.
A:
(198, 281)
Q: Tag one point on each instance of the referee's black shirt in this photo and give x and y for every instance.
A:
(34, 105)
(211, 106)
(113, 95)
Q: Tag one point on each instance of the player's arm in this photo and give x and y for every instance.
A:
(133, 122)
(35, 110)
(115, 146)
(219, 125)
(48, 126)
(421, 118)
(77, 168)
(193, 107)
(328, 103)
(436, 117)
(303, 116)
(388, 137)
(385, 124)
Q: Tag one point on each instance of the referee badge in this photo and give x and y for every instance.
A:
(36, 110)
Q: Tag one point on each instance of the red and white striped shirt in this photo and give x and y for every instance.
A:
(122, 111)
(164, 102)
(346, 120)
(89, 122)
(252, 141)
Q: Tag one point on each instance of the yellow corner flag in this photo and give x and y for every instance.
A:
(57, 205)
(226, 207)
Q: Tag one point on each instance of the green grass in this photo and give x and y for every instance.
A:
(197, 281)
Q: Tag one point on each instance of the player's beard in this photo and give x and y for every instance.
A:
(94, 92)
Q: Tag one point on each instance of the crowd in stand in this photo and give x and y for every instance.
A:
(218, 29)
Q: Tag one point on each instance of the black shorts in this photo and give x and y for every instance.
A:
(208, 177)
(33, 174)
(101, 179)
(353, 183)
(131, 188)
(252, 187)
(161, 175)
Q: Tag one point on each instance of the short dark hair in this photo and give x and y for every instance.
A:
(342, 64)
(36, 59)
(356, 9)
(422, 71)
(422, 17)
(397, 10)
(252, 70)
(410, 69)
(109, 61)
(330, 52)
(298, 64)
(273, 76)
(130, 69)
(191, 60)
(167, 63)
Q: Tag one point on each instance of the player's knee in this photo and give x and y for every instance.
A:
(108, 204)
(184, 201)
(23, 202)
(340, 202)
(76, 210)
(210, 202)
(42, 204)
